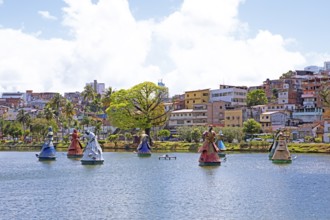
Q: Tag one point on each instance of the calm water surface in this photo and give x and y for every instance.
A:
(245, 186)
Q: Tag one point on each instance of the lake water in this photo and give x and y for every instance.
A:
(245, 186)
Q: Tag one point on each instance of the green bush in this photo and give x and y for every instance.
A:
(318, 140)
(102, 142)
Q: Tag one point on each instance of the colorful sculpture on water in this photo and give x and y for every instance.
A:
(281, 153)
(93, 152)
(274, 145)
(221, 146)
(144, 149)
(209, 151)
(48, 151)
(75, 149)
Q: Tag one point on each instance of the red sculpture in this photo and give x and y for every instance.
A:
(75, 149)
(209, 150)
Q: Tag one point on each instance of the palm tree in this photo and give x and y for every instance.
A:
(23, 118)
(98, 127)
(107, 97)
(89, 93)
(96, 104)
(49, 113)
(69, 112)
(56, 103)
(86, 121)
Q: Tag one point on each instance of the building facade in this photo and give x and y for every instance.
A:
(196, 97)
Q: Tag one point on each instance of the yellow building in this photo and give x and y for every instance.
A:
(234, 118)
(196, 97)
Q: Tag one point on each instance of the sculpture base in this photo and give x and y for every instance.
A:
(282, 161)
(209, 163)
(144, 154)
(221, 154)
(46, 158)
(91, 162)
(75, 156)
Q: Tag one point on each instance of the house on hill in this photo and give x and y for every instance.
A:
(271, 121)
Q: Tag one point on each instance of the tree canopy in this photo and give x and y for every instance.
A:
(138, 107)
(287, 75)
(251, 126)
(256, 97)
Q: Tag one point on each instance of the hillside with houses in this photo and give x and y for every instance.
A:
(297, 101)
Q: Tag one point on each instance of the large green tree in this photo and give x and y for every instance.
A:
(39, 127)
(13, 129)
(139, 107)
(251, 127)
(256, 97)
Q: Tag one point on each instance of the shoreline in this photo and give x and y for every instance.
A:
(180, 147)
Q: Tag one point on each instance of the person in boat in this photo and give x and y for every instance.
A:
(93, 149)
(75, 147)
(209, 150)
(144, 146)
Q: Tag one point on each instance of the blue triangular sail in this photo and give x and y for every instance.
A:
(221, 145)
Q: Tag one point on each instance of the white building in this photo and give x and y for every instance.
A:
(98, 87)
(327, 65)
(314, 69)
(188, 117)
(235, 95)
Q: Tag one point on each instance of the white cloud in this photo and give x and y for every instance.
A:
(199, 46)
(47, 15)
(1, 2)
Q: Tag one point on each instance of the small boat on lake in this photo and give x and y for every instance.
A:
(144, 149)
(75, 149)
(166, 157)
(93, 154)
(48, 151)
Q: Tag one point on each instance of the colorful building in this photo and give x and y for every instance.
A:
(196, 97)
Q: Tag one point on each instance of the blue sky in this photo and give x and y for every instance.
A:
(48, 45)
